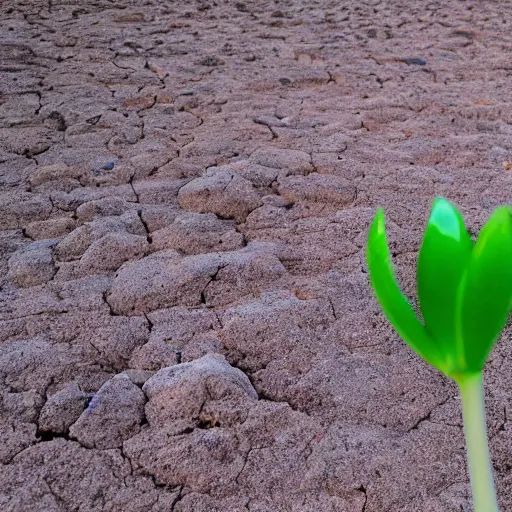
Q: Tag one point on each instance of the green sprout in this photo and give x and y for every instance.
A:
(465, 297)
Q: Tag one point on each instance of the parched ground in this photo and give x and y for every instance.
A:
(185, 191)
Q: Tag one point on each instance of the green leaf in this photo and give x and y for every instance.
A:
(485, 298)
(396, 307)
(442, 260)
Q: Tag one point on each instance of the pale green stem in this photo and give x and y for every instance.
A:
(479, 462)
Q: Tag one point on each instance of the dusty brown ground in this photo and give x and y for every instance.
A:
(193, 182)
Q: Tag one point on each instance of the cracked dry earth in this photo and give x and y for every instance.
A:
(185, 190)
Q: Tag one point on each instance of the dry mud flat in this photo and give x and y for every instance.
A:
(185, 189)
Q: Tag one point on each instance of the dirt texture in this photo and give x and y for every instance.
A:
(186, 323)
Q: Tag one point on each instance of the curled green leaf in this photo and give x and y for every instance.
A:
(442, 260)
(485, 294)
(395, 305)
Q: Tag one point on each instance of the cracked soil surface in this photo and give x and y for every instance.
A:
(185, 191)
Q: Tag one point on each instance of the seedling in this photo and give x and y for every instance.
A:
(465, 297)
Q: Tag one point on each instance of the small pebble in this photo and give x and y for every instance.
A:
(415, 61)
(108, 166)
(93, 120)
